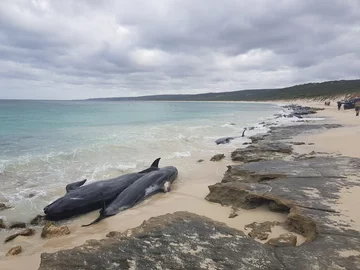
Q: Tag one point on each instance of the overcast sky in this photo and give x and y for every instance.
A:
(63, 49)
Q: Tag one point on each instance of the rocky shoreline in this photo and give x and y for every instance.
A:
(268, 173)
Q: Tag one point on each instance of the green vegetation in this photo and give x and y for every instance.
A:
(321, 91)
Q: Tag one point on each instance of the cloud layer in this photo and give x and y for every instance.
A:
(79, 49)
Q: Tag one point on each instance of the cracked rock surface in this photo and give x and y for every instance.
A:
(187, 241)
(174, 241)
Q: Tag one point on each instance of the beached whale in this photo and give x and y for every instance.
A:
(225, 140)
(146, 186)
(81, 199)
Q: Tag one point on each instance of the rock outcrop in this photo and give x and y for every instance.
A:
(26, 232)
(14, 251)
(17, 225)
(173, 241)
(217, 157)
(50, 231)
(264, 150)
(302, 186)
(187, 241)
(39, 220)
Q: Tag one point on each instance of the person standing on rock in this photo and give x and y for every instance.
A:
(357, 107)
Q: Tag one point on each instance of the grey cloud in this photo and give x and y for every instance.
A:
(79, 49)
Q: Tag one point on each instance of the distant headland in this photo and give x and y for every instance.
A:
(318, 91)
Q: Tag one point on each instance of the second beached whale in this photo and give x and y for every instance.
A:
(225, 140)
(146, 186)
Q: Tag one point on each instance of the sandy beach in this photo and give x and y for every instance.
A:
(191, 188)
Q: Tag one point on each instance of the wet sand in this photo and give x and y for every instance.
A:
(188, 194)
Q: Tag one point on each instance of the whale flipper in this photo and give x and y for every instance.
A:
(75, 185)
(101, 216)
(95, 221)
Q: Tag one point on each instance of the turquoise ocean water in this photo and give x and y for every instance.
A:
(45, 145)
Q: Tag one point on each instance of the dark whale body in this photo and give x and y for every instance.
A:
(83, 199)
(225, 140)
(146, 186)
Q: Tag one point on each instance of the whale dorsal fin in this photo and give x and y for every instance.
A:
(75, 185)
(153, 167)
(155, 163)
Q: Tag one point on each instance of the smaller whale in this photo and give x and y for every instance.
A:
(225, 140)
(143, 188)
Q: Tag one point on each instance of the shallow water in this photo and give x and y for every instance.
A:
(45, 145)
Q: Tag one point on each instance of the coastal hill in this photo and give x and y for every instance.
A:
(319, 91)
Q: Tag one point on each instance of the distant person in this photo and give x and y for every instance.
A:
(357, 107)
(339, 105)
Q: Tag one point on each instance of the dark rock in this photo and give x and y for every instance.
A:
(233, 215)
(17, 225)
(232, 124)
(246, 143)
(14, 251)
(300, 111)
(284, 240)
(50, 231)
(275, 207)
(264, 150)
(191, 241)
(2, 224)
(31, 195)
(217, 157)
(200, 160)
(298, 143)
(3, 206)
(251, 128)
(26, 232)
(311, 143)
(258, 137)
(195, 242)
(39, 220)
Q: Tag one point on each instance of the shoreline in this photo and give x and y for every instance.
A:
(191, 193)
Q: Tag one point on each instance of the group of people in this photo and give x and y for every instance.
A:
(356, 104)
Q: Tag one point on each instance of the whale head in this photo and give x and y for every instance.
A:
(170, 173)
